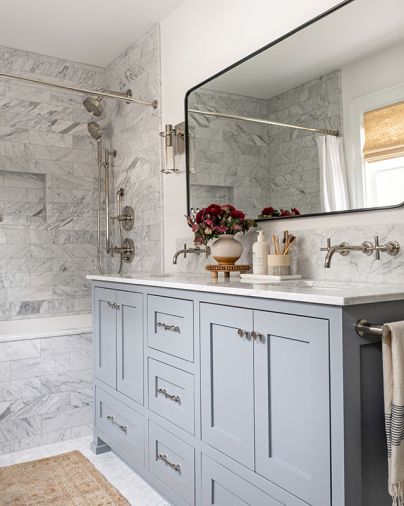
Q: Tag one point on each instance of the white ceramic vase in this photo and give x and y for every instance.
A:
(226, 250)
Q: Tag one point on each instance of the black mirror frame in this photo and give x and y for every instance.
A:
(236, 64)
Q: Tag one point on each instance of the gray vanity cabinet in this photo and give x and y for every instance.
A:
(292, 404)
(118, 323)
(105, 335)
(219, 399)
(227, 381)
(274, 382)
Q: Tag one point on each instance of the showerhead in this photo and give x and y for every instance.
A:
(94, 130)
(93, 105)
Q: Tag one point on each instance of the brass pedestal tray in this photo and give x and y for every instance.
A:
(226, 269)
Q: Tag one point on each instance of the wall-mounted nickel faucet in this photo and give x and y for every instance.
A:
(184, 251)
(367, 248)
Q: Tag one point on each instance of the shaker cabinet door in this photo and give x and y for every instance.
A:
(130, 345)
(292, 405)
(227, 381)
(105, 335)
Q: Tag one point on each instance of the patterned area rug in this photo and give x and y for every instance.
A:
(64, 480)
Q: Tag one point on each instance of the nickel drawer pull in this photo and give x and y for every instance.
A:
(172, 328)
(175, 398)
(124, 428)
(163, 457)
(113, 305)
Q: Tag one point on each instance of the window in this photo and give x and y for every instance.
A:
(385, 182)
(383, 154)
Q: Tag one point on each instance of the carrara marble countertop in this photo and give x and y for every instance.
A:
(317, 292)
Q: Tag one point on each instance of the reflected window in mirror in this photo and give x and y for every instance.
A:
(383, 153)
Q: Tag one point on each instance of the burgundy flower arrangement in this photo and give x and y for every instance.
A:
(270, 212)
(216, 220)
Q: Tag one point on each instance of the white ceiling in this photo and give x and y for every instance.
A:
(88, 31)
(357, 30)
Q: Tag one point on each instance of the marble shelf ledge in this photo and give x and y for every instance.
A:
(35, 328)
(316, 292)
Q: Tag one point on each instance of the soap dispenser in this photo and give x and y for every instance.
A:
(260, 252)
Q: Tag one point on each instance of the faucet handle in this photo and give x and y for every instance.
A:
(328, 245)
(377, 247)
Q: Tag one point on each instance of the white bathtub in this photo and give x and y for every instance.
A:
(34, 328)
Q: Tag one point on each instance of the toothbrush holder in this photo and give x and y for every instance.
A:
(279, 265)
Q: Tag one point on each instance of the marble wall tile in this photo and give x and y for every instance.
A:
(133, 132)
(46, 158)
(308, 260)
(71, 418)
(44, 397)
(29, 368)
(48, 201)
(18, 350)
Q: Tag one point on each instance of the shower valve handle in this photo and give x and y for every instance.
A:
(121, 217)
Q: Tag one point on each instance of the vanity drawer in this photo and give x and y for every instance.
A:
(172, 462)
(170, 326)
(171, 394)
(222, 487)
(122, 425)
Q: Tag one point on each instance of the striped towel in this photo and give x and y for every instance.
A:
(393, 379)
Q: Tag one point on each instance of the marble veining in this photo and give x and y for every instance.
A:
(45, 390)
(312, 291)
(48, 176)
(133, 131)
(47, 188)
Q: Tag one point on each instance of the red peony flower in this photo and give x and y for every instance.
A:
(199, 216)
(213, 210)
(237, 214)
(295, 211)
(268, 211)
(285, 212)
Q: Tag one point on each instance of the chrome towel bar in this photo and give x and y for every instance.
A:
(363, 328)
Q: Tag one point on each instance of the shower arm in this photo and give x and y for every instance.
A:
(102, 93)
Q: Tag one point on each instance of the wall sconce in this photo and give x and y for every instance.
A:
(174, 144)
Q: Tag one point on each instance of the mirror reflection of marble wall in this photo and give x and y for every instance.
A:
(355, 73)
(254, 165)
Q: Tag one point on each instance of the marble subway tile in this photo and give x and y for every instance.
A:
(16, 350)
(82, 430)
(11, 430)
(67, 419)
(81, 398)
(30, 368)
(69, 381)
(4, 371)
(20, 389)
(5, 410)
(41, 439)
(40, 405)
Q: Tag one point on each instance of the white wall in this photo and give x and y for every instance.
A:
(198, 40)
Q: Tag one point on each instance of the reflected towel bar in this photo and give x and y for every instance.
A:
(363, 328)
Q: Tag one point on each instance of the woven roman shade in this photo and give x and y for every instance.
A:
(384, 133)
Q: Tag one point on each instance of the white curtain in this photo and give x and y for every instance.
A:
(333, 175)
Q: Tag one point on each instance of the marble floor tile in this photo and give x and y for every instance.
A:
(131, 486)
